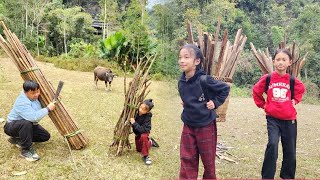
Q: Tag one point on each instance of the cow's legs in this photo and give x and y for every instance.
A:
(96, 82)
(109, 86)
(106, 83)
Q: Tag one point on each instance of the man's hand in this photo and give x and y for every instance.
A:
(51, 106)
(210, 105)
(132, 120)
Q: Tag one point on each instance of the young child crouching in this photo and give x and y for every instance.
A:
(141, 126)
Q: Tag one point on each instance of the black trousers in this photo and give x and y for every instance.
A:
(287, 131)
(27, 132)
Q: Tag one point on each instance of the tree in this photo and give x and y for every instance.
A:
(136, 30)
(68, 24)
(110, 15)
(306, 31)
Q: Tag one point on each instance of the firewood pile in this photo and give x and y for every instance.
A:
(264, 58)
(134, 96)
(223, 154)
(30, 71)
(220, 57)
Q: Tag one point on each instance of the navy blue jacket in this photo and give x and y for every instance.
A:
(195, 112)
(142, 124)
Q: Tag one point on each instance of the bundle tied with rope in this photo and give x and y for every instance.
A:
(134, 96)
(265, 63)
(29, 70)
(220, 57)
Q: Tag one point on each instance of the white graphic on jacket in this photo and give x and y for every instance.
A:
(202, 98)
(279, 91)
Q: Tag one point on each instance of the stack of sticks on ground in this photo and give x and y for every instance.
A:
(30, 71)
(219, 64)
(134, 96)
(264, 59)
(224, 64)
(223, 154)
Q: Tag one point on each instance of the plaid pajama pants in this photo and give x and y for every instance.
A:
(143, 144)
(194, 142)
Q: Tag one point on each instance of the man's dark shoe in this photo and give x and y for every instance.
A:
(154, 143)
(30, 154)
(15, 141)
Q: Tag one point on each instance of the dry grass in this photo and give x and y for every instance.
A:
(97, 111)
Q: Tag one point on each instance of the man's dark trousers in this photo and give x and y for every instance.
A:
(27, 132)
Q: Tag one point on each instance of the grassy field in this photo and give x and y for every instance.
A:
(97, 111)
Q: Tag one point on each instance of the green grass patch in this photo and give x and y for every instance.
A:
(81, 64)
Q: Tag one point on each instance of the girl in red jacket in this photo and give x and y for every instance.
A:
(280, 114)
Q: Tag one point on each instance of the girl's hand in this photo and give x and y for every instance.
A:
(293, 102)
(132, 120)
(210, 105)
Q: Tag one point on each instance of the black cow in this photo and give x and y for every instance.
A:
(103, 74)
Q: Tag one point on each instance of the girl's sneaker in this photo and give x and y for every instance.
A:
(154, 143)
(147, 160)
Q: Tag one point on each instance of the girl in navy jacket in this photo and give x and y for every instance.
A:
(199, 134)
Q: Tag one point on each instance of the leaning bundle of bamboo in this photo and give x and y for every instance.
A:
(264, 59)
(136, 93)
(29, 70)
(223, 66)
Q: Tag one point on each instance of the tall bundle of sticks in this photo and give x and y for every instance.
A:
(137, 91)
(264, 59)
(219, 64)
(30, 71)
(224, 64)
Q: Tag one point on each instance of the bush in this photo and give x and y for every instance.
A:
(80, 64)
(247, 72)
(312, 95)
(81, 49)
(167, 61)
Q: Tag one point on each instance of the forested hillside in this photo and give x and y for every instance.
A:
(127, 30)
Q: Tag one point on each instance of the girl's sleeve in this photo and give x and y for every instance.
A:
(220, 91)
(299, 90)
(258, 90)
(145, 127)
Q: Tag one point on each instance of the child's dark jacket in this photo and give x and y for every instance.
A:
(195, 112)
(142, 124)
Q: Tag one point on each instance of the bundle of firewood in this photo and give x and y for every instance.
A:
(134, 96)
(224, 64)
(219, 64)
(264, 59)
(30, 71)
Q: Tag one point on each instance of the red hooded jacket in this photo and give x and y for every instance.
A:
(278, 103)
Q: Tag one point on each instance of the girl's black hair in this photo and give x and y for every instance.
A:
(30, 85)
(149, 103)
(286, 51)
(197, 52)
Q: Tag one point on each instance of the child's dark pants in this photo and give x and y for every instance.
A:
(287, 131)
(27, 132)
(194, 142)
(143, 144)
